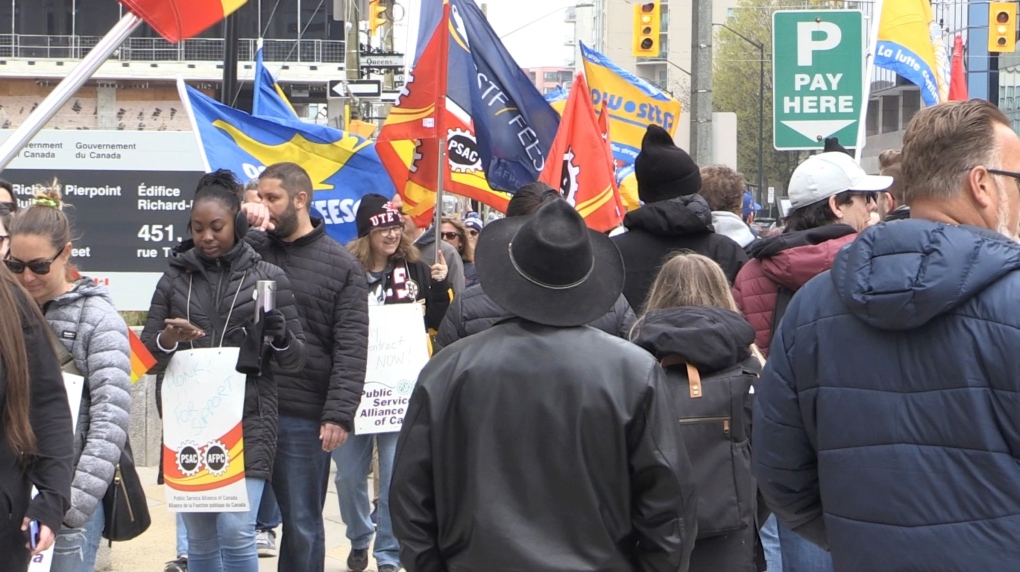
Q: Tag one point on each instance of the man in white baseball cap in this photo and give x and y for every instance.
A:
(850, 193)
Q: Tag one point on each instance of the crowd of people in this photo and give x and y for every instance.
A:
(681, 395)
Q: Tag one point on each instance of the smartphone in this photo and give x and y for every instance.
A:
(182, 323)
(33, 534)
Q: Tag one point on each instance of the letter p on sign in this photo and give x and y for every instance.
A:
(807, 45)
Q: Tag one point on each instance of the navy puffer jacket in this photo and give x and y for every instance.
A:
(887, 422)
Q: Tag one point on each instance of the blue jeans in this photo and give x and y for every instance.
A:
(225, 541)
(182, 535)
(353, 463)
(769, 535)
(269, 511)
(800, 554)
(75, 548)
(300, 477)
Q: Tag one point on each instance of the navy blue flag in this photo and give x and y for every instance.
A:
(514, 126)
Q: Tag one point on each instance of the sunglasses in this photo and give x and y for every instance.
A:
(38, 267)
(450, 235)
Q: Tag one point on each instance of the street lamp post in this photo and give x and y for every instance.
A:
(761, 105)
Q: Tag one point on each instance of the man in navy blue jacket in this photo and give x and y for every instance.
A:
(887, 421)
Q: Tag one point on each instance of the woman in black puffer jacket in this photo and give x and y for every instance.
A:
(210, 283)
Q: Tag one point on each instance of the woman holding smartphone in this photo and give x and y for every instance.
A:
(205, 300)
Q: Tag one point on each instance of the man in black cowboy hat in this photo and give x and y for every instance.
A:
(541, 443)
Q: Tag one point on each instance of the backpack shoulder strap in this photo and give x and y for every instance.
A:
(783, 297)
(693, 376)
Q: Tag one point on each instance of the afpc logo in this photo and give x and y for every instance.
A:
(217, 459)
(643, 113)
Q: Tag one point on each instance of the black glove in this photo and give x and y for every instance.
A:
(274, 326)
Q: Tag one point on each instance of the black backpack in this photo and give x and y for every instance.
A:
(715, 421)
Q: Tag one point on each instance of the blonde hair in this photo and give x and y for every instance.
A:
(689, 279)
(361, 248)
(45, 217)
(467, 252)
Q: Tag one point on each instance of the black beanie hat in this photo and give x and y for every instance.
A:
(376, 211)
(832, 145)
(663, 170)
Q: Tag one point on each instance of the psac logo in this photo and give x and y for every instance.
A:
(192, 458)
(462, 150)
(646, 112)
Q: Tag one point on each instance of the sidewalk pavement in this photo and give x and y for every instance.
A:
(150, 551)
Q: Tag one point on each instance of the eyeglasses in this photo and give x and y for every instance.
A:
(867, 197)
(39, 266)
(450, 235)
(390, 230)
(1010, 174)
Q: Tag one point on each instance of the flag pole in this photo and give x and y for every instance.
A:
(444, 29)
(67, 88)
(869, 72)
(438, 211)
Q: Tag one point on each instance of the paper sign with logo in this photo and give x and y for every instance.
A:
(397, 352)
(74, 385)
(203, 445)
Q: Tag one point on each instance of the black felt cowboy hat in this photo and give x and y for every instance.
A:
(549, 267)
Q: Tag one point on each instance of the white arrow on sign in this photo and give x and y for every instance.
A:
(813, 129)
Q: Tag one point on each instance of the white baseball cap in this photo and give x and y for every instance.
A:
(828, 174)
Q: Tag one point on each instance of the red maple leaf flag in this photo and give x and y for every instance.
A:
(177, 20)
(585, 172)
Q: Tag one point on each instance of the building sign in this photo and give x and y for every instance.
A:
(130, 195)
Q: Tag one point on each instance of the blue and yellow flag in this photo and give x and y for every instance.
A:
(910, 44)
(269, 99)
(633, 104)
(343, 167)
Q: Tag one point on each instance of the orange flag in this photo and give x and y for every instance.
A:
(177, 20)
(958, 77)
(585, 174)
(141, 360)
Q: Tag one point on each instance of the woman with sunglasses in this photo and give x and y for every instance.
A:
(456, 235)
(205, 300)
(82, 316)
(395, 275)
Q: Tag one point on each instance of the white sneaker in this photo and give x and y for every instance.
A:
(265, 543)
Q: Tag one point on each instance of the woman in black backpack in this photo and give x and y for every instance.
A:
(691, 324)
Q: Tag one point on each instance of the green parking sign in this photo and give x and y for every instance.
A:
(817, 77)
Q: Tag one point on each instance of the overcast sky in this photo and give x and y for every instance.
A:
(536, 45)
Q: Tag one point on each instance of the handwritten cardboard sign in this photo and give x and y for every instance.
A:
(203, 443)
(397, 352)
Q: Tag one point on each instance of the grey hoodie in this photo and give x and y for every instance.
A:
(729, 224)
(94, 334)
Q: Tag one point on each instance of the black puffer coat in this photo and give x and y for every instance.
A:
(332, 301)
(229, 282)
(474, 311)
(660, 229)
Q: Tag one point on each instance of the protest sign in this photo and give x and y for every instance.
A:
(203, 445)
(397, 351)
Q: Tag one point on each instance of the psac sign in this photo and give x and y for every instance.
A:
(818, 75)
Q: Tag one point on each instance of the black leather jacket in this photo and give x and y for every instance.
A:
(528, 447)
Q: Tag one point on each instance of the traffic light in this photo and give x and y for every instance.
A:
(646, 29)
(1002, 27)
(378, 14)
